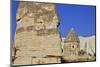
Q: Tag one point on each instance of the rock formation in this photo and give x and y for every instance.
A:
(90, 41)
(71, 47)
(37, 39)
(87, 49)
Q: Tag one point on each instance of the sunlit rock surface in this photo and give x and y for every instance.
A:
(37, 39)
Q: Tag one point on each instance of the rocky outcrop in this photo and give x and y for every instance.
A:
(91, 44)
(71, 47)
(37, 39)
(89, 40)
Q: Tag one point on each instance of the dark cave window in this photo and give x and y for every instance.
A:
(40, 22)
(73, 46)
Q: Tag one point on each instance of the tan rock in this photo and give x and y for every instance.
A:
(71, 47)
(37, 35)
(22, 60)
(46, 60)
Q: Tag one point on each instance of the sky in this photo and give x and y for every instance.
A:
(81, 18)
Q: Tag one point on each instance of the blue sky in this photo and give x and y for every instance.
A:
(13, 15)
(81, 18)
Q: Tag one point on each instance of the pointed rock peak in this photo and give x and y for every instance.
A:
(72, 36)
(72, 30)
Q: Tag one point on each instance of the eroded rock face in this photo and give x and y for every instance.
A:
(71, 47)
(37, 39)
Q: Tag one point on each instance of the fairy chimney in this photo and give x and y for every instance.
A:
(71, 47)
(37, 39)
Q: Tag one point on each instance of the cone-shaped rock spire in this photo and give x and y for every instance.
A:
(72, 36)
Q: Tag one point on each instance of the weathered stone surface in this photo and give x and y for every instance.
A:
(22, 60)
(71, 47)
(46, 60)
(32, 60)
(37, 34)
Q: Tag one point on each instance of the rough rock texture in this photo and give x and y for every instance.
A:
(37, 39)
(91, 44)
(71, 47)
(89, 40)
(87, 44)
